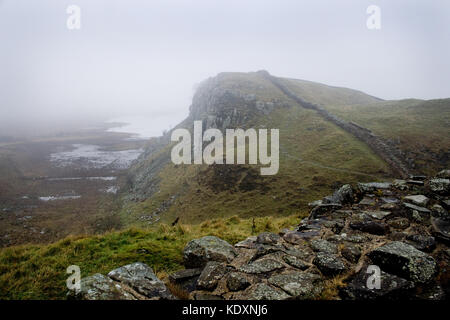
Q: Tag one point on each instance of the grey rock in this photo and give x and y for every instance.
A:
(323, 209)
(399, 223)
(268, 238)
(392, 287)
(405, 261)
(400, 184)
(237, 281)
(351, 252)
(441, 229)
(367, 201)
(421, 242)
(370, 226)
(300, 285)
(141, 278)
(211, 274)
(262, 291)
(415, 182)
(329, 264)
(444, 174)
(320, 245)
(377, 214)
(99, 287)
(373, 186)
(249, 243)
(441, 186)
(296, 237)
(200, 251)
(438, 211)
(295, 262)
(341, 196)
(186, 278)
(419, 200)
(262, 266)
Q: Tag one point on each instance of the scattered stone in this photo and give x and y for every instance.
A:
(323, 209)
(415, 182)
(388, 206)
(329, 264)
(419, 200)
(200, 251)
(211, 274)
(237, 281)
(405, 261)
(351, 252)
(262, 266)
(300, 285)
(389, 200)
(320, 245)
(417, 208)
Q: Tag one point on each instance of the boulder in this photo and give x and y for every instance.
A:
(329, 264)
(141, 278)
(343, 195)
(300, 285)
(99, 287)
(198, 252)
(405, 261)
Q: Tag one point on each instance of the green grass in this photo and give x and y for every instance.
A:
(39, 271)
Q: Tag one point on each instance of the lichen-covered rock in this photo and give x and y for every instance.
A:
(99, 287)
(198, 252)
(391, 287)
(405, 261)
(320, 245)
(295, 262)
(237, 281)
(329, 264)
(370, 226)
(262, 266)
(421, 242)
(186, 279)
(399, 223)
(441, 229)
(141, 278)
(262, 291)
(373, 186)
(300, 285)
(341, 196)
(351, 252)
(211, 274)
(377, 214)
(444, 174)
(268, 238)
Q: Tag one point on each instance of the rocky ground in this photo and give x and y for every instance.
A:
(401, 229)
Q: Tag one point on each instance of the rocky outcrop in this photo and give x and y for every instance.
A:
(403, 232)
(342, 237)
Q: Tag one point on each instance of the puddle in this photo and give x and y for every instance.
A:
(54, 198)
(91, 157)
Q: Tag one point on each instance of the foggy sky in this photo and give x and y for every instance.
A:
(136, 57)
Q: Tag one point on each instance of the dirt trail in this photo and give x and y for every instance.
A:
(389, 154)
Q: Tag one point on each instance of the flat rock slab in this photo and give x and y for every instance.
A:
(300, 285)
(262, 291)
(379, 215)
(417, 208)
(367, 201)
(262, 266)
(373, 186)
(100, 287)
(329, 264)
(441, 186)
(405, 261)
(419, 200)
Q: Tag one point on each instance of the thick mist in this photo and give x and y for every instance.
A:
(145, 58)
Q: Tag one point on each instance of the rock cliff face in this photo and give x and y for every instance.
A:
(396, 234)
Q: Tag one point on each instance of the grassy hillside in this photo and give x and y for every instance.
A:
(419, 128)
(315, 156)
(39, 271)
